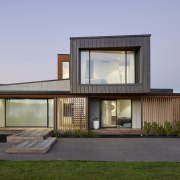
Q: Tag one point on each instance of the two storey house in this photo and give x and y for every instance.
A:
(104, 79)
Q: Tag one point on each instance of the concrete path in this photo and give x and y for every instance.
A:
(105, 149)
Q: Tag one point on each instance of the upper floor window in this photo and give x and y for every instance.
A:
(65, 70)
(107, 67)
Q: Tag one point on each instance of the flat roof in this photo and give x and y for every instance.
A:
(113, 36)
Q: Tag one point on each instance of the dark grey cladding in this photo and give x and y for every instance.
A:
(138, 43)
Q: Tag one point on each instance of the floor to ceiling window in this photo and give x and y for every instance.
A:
(29, 113)
(107, 67)
(116, 113)
(2, 112)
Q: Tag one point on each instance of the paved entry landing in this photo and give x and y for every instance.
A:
(31, 141)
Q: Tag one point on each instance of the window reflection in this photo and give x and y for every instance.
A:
(107, 67)
(30, 112)
(65, 66)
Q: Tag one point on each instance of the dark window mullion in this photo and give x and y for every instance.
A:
(125, 67)
(47, 113)
(5, 109)
(89, 68)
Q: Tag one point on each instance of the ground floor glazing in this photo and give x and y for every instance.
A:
(70, 113)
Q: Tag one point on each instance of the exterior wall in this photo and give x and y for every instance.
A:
(139, 43)
(2, 112)
(94, 111)
(136, 114)
(62, 58)
(160, 109)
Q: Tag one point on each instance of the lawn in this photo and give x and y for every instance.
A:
(87, 170)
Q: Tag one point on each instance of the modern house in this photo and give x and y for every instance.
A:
(105, 78)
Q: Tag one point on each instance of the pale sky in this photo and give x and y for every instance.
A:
(33, 32)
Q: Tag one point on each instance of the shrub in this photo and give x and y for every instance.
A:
(92, 134)
(56, 133)
(74, 133)
(154, 128)
(160, 131)
(157, 129)
(147, 128)
(168, 129)
(177, 128)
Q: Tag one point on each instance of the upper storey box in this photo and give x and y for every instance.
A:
(110, 64)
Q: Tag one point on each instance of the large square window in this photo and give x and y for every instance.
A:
(107, 67)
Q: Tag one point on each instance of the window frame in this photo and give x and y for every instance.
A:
(63, 68)
(89, 79)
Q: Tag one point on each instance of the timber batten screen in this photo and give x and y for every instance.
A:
(72, 113)
(161, 109)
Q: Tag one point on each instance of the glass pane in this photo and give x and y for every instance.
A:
(130, 67)
(108, 118)
(124, 113)
(107, 67)
(26, 112)
(2, 112)
(51, 112)
(84, 67)
(65, 71)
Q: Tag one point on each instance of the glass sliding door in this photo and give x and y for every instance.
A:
(108, 116)
(116, 113)
(124, 119)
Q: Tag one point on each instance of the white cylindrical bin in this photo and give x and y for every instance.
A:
(96, 124)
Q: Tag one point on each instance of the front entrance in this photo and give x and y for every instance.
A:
(116, 113)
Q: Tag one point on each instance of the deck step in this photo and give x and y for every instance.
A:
(35, 146)
(29, 135)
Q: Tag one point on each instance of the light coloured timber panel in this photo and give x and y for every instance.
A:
(161, 109)
(72, 114)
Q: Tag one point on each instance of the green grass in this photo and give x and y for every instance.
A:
(87, 170)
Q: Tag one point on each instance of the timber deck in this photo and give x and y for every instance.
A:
(34, 146)
(31, 141)
(31, 135)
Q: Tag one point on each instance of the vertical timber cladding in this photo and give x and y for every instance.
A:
(72, 113)
(141, 44)
(161, 109)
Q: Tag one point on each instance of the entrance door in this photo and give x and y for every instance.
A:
(109, 115)
(116, 113)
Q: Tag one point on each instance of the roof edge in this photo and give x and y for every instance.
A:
(113, 36)
(33, 82)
